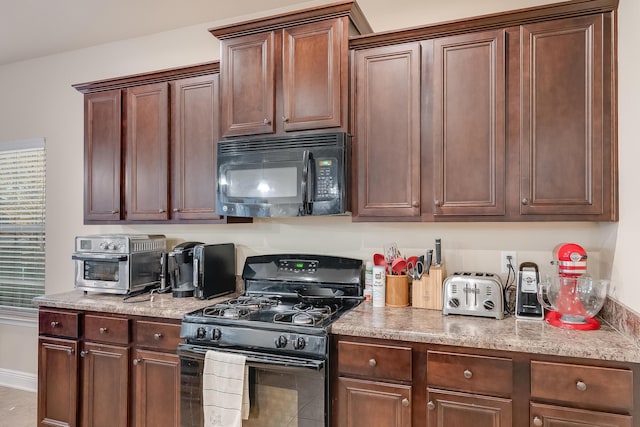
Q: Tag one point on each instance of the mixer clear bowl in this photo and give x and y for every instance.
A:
(575, 298)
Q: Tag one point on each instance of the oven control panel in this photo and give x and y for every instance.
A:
(298, 265)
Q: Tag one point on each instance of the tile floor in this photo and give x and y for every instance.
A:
(17, 408)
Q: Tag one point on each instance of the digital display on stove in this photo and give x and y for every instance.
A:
(298, 266)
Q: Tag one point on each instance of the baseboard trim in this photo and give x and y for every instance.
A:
(20, 380)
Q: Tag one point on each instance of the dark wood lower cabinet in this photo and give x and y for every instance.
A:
(557, 416)
(373, 404)
(57, 382)
(105, 381)
(157, 389)
(448, 408)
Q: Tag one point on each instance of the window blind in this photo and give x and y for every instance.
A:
(22, 224)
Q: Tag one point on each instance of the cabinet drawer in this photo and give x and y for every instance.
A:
(474, 374)
(374, 361)
(114, 330)
(160, 336)
(607, 388)
(59, 323)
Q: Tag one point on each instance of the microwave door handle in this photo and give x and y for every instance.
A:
(308, 177)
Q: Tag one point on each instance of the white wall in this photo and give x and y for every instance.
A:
(37, 100)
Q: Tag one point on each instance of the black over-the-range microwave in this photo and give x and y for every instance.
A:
(284, 176)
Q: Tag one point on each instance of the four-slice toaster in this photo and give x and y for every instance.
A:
(474, 294)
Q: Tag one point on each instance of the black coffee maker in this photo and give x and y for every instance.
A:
(180, 269)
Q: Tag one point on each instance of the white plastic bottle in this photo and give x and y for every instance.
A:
(368, 281)
(379, 281)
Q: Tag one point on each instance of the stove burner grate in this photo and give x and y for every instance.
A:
(304, 314)
(240, 307)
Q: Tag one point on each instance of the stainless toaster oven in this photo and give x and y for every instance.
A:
(117, 263)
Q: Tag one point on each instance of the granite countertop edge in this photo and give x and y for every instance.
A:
(509, 334)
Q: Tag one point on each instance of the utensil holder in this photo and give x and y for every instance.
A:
(426, 292)
(397, 290)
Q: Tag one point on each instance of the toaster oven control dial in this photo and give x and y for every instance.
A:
(201, 333)
(299, 343)
(281, 341)
(216, 334)
(454, 302)
(489, 305)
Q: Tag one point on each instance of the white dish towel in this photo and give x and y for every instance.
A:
(225, 391)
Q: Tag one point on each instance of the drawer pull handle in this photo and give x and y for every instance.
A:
(103, 330)
(157, 336)
(467, 374)
(525, 201)
(405, 402)
(55, 324)
(431, 405)
(372, 363)
(266, 121)
(581, 386)
(136, 362)
(537, 421)
(84, 353)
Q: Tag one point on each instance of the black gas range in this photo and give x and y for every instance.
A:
(281, 325)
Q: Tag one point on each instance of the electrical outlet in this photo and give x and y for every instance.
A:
(504, 261)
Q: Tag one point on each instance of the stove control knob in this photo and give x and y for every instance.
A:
(281, 341)
(216, 334)
(299, 343)
(201, 333)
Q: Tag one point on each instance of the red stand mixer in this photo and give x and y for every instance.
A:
(572, 297)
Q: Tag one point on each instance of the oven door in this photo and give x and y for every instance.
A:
(283, 390)
(105, 272)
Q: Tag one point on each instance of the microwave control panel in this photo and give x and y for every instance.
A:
(326, 179)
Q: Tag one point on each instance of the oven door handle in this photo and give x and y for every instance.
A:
(253, 358)
(99, 257)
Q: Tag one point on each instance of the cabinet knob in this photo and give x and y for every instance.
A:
(405, 402)
(431, 405)
(537, 421)
(161, 210)
(55, 324)
(176, 210)
(70, 351)
(103, 330)
(437, 202)
(415, 204)
(285, 119)
(114, 212)
(84, 353)
(467, 374)
(525, 201)
(581, 386)
(267, 121)
(136, 362)
(372, 362)
(157, 336)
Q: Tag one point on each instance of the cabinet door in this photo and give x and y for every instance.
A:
(447, 409)
(147, 150)
(195, 129)
(373, 404)
(248, 84)
(58, 397)
(157, 389)
(469, 165)
(102, 155)
(311, 75)
(387, 133)
(557, 416)
(564, 165)
(105, 385)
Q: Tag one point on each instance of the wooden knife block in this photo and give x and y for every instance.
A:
(426, 292)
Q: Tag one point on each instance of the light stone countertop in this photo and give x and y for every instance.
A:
(163, 305)
(509, 334)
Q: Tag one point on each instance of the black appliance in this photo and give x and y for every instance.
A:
(284, 176)
(180, 269)
(214, 270)
(280, 324)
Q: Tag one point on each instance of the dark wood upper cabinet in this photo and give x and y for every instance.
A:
(147, 152)
(248, 84)
(387, 131)
(102, 155)
(565, 146)
(195, 130)
(468, 127)
(287, 72)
